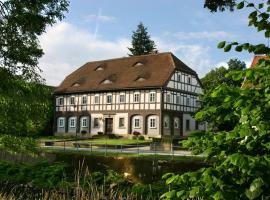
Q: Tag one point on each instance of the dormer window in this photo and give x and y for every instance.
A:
(140, 79)
(99, 68)
(75, 85)
(137, 64)
(106, 81)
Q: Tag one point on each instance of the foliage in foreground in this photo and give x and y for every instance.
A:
(241, 167)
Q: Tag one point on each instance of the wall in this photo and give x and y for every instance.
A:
(116, 128)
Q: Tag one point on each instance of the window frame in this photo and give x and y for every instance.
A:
(168, 98)
(70, 122)
(60, 103)
(178, 77)
(178, 99)
(86, 125)
(109, 97)
(84, 97)
(72, 102)
(96, 123)
(136, 100)
(176, 123)
(152, 123)
(119, 124)
(188, 101)
(124, 98)
(152, 97)
(138, 120)
(96, 97)
(59, 122)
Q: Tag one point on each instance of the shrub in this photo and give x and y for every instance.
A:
(141, 137)
(134, 137)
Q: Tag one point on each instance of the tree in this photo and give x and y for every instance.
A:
(240, 158)
(141, 42)
(21, 22)
(235, 64)
(221, 5)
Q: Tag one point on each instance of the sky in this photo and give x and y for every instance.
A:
(101, 29)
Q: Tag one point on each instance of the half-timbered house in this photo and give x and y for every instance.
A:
(154, 95)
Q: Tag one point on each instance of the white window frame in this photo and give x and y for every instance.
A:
(96, 97)
(84, 119)
(176, 123)
(71, 125)
(137, 119)
(168, 98)
(60, 103)
(136, 98)
(84, 100)
(61, 119)
(98, 124)
(179, 77)
(152, 122)
(152, 97)
(109, 98)
(70, 102)
(121, 125)
(122, 100)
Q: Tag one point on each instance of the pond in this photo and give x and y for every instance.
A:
(141, 170)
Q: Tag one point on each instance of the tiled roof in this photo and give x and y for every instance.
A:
(147, 71)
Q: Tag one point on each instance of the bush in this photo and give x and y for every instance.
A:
(141, 137)
(134, 137)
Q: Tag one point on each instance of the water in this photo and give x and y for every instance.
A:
(141, 170)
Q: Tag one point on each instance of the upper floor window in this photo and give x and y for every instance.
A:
(122, 98)
(189, 80)
(179, 77)
(72, 100)
(84, 100)
(72, 122)
(177, 99)
(136, 97)
(96, 99)
(168, 98)
(188, 101)
(152, 97)
(109, 98)
(61, 101)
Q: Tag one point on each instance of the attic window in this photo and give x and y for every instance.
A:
(138, 64)
(140, 79)
(76, 85)
(99, 68)
(106, 81)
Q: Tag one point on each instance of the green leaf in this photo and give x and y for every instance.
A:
(221, 44)
(261, 5)
(240, 5)
(228, 48)
(238, 48)
(250, 5)
(255, 190)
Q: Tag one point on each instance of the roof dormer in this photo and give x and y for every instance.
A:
(106, 81)
(137, 64)
(140, 79)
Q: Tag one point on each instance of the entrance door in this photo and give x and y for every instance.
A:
(108, 125)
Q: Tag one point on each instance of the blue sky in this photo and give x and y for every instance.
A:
(95, 30)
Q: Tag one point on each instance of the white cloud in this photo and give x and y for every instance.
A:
(208, 35)
(67, 47)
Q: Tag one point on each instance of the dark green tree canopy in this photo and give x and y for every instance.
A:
(21, 22)
(221, 5)
(141, 42)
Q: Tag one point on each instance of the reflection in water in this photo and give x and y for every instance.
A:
(140, 170)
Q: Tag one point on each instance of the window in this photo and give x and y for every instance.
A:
(61, 122)
(179, 77)
(166, 122)
(122, 98)
(72, 100)
(60, 101)
(189, 80)
(136, 98)
(187, 125)
(188, 101)
(198, 103)
(152, 97)
(72, 122)
(96, 99)
(168, 98)
(153, 123)
(177, 99)
(136, 123)
(84, 122)
(109, 98)
(121, 122)
(106, 81)
(96, 123)
(176, 123)
(84, 100)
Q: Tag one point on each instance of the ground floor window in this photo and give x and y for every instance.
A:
(121, 122)
(187, 125)
(166, 122)
(176, 123)
(61, 122)
(96, 123)
(137, 123)
(72, 122)
(153, 123)
(84, 122)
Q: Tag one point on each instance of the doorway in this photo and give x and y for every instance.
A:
(108, 125)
